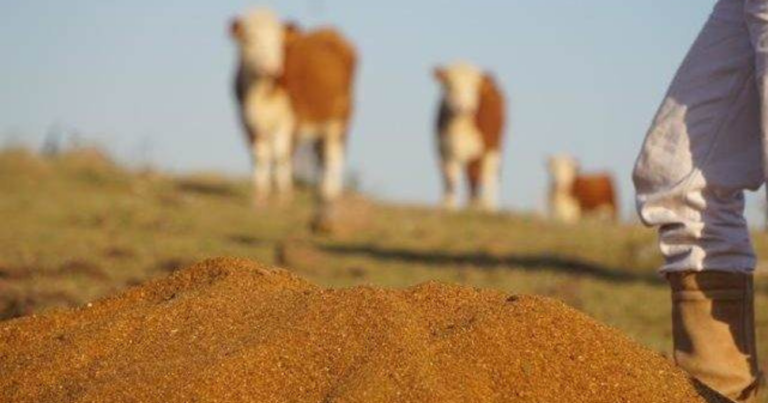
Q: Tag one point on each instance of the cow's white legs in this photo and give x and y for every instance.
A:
(489, 181)
(283, 164)
(451, 175)
(332, 160)
(333, 163)
(262, 169)
(563, 207)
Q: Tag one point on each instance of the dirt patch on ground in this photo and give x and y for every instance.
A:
(229, 330)
(15, 272)
(82, 267)
(14, 303)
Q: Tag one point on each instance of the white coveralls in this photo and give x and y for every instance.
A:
(707, 144)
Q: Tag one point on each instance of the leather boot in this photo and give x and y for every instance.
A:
(713, 325)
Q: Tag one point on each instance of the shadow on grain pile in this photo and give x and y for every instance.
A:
(231, 330)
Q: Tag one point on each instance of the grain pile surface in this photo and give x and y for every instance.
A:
(230, 330)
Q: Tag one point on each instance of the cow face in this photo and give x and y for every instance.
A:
(563, 169)
(461, 84)
(260, 37)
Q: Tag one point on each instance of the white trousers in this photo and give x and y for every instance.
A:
(707, 144)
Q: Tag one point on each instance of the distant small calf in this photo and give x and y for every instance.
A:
(293, 85)
(470, 126)
(573, 195)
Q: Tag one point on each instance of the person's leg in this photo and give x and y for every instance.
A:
(756, 14)
(702, 151)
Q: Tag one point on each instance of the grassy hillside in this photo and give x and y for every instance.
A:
(78, 227)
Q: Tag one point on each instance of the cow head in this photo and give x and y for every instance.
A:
(461, 84)
(260, 37)
(563, 169)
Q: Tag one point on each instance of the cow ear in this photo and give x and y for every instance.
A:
(292, 26)
(489, 81)
(236, 29)
(292, 30)
(439, 74)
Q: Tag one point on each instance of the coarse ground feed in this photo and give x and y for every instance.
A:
(231, 330)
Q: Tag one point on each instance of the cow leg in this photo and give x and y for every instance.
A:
(451, 172)
(261, 152)
(282, 153)
(564, 207)
(333, 163)
(474, 173)
(605, 212)
(330, 149)
(489, 180)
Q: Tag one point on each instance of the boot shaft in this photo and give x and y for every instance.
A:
(714, 331)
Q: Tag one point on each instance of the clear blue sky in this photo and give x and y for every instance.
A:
(582, 77)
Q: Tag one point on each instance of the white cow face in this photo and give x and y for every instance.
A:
(563, 169)
(260, 36)
(461, 86)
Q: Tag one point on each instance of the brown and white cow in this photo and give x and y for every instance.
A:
(573, 195)
(470, 127)
(293, 86)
